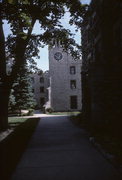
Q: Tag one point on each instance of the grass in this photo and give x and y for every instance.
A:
(16, 120)
(64, 113)
(13, 146)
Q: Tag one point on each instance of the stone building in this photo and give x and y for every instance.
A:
(40, 83)
(60, 87)
(65, 80)
(102, 61)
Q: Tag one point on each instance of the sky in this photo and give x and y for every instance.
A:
(43, 62)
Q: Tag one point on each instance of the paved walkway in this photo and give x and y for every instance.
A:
(60, 151)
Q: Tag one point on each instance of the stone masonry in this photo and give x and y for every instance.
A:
(65, 80)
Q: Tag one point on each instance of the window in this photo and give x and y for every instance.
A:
(73, 102)
(41, 89)
(32, 79)
(72, 70)
(41, 80)
(73, 84)
(42, 101)
(54, 42)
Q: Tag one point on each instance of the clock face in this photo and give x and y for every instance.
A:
(58, 56)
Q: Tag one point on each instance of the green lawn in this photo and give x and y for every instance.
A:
(13, 146)
(16, 120)
(64, 113)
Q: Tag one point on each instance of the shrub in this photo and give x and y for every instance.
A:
(49, 110)
(30, 112)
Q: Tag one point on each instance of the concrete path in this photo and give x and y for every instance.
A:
(60, 151)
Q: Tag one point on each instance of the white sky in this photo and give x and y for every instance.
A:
(43, 63)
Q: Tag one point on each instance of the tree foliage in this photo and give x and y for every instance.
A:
(22, 16)
(21, 95)
(12, 102)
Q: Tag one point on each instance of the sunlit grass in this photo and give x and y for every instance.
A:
(17, 119)
(65, 113)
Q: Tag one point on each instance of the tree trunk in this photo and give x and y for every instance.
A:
(5, 80)
(3, 76)
(4, 98)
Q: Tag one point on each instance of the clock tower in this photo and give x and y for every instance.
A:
(65, 80)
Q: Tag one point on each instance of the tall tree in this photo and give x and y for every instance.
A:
(12, 102)
(21, 45)
(22, 95)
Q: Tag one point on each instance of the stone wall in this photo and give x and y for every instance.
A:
(60, 80)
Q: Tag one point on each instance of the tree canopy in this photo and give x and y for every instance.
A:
(21, 96)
